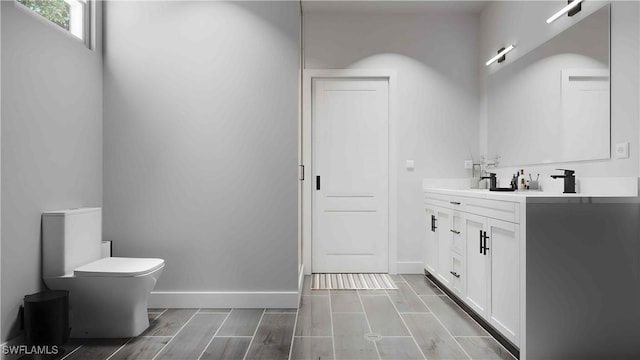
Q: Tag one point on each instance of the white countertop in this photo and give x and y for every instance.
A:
(512, 195)
(600, 188)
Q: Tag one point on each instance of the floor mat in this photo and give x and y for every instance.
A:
(352, 282)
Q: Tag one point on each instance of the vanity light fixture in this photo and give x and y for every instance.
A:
(571, 9)
(501, 55)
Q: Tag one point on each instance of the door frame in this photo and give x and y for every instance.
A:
(307, 194)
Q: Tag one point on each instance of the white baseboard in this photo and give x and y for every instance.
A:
(243, 300)
(410, 267)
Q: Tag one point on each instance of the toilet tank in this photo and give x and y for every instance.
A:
(70, 238)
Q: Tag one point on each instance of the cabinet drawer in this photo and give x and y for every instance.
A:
(445, 201)
(497, 209)
(457, 241)
(501, 210)
(457, 275)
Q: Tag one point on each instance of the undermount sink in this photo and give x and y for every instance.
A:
(502, 189)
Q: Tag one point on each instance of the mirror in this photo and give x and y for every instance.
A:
(552, 104)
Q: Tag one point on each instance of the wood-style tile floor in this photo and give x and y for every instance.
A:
(417, 321)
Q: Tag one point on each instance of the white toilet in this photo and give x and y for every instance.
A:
(107, 297)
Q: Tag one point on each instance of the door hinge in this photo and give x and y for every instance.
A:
(300, 172)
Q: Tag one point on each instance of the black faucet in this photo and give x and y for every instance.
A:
(569, 180)
(492, 180)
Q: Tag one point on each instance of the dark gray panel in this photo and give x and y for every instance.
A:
(96, 349)
(458, 322)
(383, 317)
(273, 337)
(314, 317)
(345, 301)
(484, 348)
(316, 348)
(241, 322)
(348, 333)
(227, 348)
(193, 338)
(583, 292)
(141, 348)
(421, 285)
(405, 299)
(398, 349)
(433, 339)
(169, 323)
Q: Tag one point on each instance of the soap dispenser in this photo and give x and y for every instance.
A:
(521, 180)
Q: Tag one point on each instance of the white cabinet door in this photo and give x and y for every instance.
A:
(431, 241)
(477, 264)
(504, 248)
(443, 224)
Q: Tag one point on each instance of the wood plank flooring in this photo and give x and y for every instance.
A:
(417, 321)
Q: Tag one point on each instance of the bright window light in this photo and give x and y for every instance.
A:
(71, 15)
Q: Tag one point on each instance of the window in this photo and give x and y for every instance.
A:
(71, 15)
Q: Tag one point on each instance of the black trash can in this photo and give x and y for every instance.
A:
(46, 318)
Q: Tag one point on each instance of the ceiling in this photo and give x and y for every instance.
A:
(390, 6)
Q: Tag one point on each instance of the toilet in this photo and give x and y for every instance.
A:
(107, 296)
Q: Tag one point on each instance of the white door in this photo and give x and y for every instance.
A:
(350, 175)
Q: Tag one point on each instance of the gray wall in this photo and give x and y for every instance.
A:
(200, 133)
(435, 56)
(51, 142)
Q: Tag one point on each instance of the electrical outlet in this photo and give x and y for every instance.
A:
(410, 165)
(622, 150)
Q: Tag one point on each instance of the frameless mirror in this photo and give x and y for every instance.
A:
(552, 104)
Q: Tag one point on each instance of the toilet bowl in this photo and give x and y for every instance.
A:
(107, 297)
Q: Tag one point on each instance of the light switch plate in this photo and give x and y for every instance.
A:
(410, 165)
(622, 150)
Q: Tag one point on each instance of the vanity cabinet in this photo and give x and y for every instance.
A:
(536, 267)
(472, 248)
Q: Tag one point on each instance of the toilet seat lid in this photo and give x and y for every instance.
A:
(119, 266)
